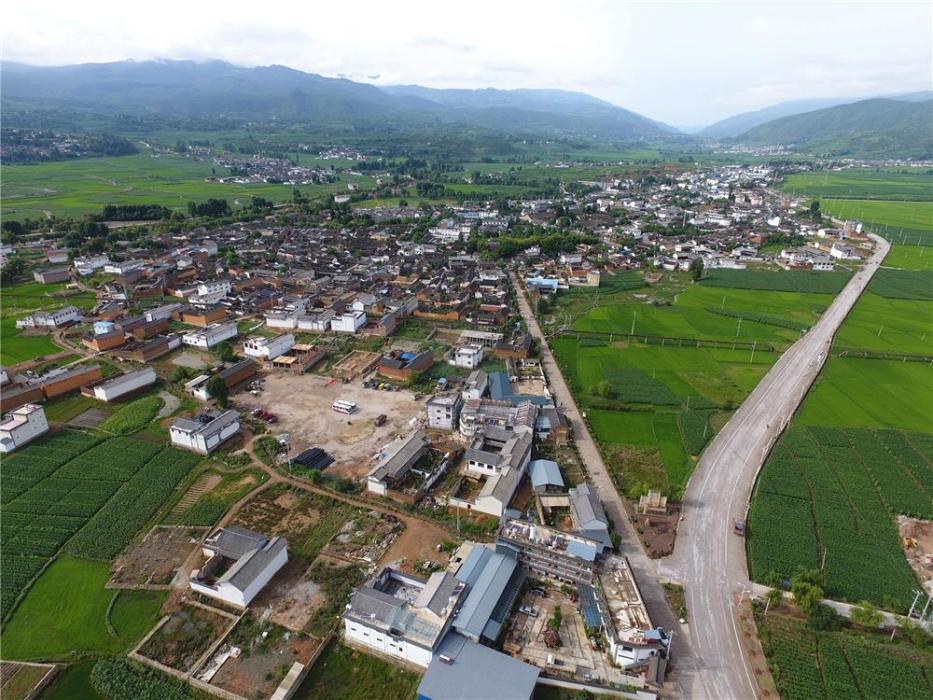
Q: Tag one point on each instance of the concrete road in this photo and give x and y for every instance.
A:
(708, 557)
(646, 571)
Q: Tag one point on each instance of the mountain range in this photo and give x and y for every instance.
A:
(213, 88)
(899, 125)
(738, 124)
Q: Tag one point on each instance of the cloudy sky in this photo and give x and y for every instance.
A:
(686, 62)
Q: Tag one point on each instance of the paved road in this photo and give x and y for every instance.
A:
(708, 557)
(645, 570)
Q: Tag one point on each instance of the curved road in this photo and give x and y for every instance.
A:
(708, 558)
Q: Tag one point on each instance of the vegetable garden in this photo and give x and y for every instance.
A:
(828, 497)
(782, 281)
(58, 486)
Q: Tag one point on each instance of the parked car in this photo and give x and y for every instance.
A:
(381, 419)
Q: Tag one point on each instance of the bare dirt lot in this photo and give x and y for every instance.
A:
(303, 406)
(917, 536)
(181, 641)
(418, 542)
(154, 560)
(289, 599)
(266, 654)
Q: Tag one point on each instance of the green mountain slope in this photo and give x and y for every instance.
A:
(870, 128)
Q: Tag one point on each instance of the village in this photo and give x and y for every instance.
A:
(382, 360)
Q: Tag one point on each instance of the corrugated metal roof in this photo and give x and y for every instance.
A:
(545, 472)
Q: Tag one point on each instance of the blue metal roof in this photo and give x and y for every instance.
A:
(490, 572)
(589, 606)
(475, 671)
(500, 388)
(581, 550)
(545, 472)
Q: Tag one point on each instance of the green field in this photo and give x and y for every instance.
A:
(81, 186)
(807, 664)
(779, 281)
(69, 490)
(905, 223)
(658, 398)
(903, 284)
(341, 673)
(913, 184)
(65, 613)
(862, 393)
(22, 299)
(708, 312)
(909, 257)
(828, 496)
(888, 325)
(73, 682)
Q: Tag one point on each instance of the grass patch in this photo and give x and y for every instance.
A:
(782, 281)
(888, 325)
(903, 223)
(909, 257)
(341, 673)
(73, 682)
(65, 611)
(903, 284)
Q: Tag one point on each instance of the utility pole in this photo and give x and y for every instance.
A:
(738, 327)
(754, 346)
(634, 314)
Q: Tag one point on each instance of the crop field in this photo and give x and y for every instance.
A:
(862, 183)
(779, 281)
(808, 664)
(133, 416)
(904, 223)
(659, 398)
(71, 484)
(85, 185)
(709, 312)
(888, 325)
(67, 610)
(829, 496)
(864, 393)
(903, 284)
(909, 257)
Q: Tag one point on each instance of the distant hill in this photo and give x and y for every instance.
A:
(738, 124)
(213, 88)
(870, 128)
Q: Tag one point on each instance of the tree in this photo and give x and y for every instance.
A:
(696, 269)
(225, 352)
(773, 598)
(217, 388)
(822, 617)
(866, 615)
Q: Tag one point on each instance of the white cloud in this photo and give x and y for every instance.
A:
(681, 62)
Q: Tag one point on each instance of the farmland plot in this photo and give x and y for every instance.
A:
(829, 496)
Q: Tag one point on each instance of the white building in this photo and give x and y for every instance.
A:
(402, 616)
(22, 425)
(209, 293)
(444, 410)
(316, 320)
(469, 356)
(240, 563)
(51, 319)
(121, 268)
(268, 348)
(124, 384)
(211, 335)
(843, 252)
(206, 432)
(349, 322)
(162, 312)
(87, 266)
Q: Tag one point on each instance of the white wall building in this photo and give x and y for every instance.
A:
(268, 348)
(51, 319)
(211, 335)
(124, 384)
(444, 410)
(22, 425)
(349, 322)
(469, 356)
(209, 293)
(240, 563)
(205, 433)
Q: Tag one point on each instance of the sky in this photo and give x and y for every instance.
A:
(686, 63)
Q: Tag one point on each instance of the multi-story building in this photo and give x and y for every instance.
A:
(210, 336)
(268, 348)
(349, 322)
(24, 424)
(444, 410)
